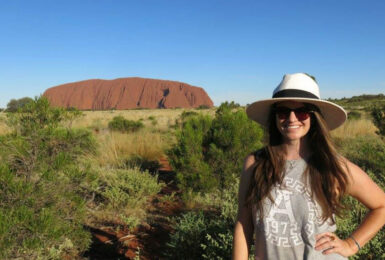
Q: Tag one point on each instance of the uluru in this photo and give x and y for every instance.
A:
(127, 93)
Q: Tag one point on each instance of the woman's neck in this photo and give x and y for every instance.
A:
(296, 149)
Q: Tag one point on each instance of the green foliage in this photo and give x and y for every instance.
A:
(354, 115)
(41, 186)
(360, 102)
(202, 235)
(203, 107)
(206, 235)
(15, 104)
(230, 105)
(187, 114)
(121, 124)
(37, 142)
(38, 218)
(378, 114)
(130, 187)
(154, 122)
(187, 157)
(123, 195)
(210, 152)
(368, 153)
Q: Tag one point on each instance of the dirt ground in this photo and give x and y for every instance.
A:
(148, 240)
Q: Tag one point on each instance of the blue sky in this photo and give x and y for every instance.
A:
(235, 50)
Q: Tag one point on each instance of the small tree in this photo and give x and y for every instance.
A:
(209, 153)
(121, 124)
(15, 104)
(378, 114)
(42, 186)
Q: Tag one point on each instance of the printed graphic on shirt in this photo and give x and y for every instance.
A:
(281, 227)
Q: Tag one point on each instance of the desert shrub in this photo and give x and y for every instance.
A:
(41, 186)
(203, 107)
(375, 248)
(354, 115)
(187, 158)
(39, 218)
(123, 195)
(183, 118)
(378, 114)
(121, 124)
(15, 104)
(187, 114)
(230, 105)
(154, 122)
(206, 235)
(368, 152)
(210, 152)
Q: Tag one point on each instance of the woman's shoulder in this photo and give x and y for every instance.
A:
(253, 158)
(259, 154)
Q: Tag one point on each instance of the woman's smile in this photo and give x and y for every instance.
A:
(288, 124)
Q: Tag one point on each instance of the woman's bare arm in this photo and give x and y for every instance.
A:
(243, 231)
(365, 190)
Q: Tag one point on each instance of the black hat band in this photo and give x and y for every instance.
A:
(294, 93)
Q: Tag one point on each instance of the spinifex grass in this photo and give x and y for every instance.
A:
(4, 129)
(355, 128)
(123, 197)
(116, 147)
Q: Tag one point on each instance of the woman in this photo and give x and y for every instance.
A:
(291, 189)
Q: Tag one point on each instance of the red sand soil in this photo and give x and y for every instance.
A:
(127, 93)
(150, 237)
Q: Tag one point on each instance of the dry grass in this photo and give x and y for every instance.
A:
(149, 143)
(355, 128)
(3, 126)
(164, 117)
(117, 147)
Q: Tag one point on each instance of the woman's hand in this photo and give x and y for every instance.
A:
(330, 243)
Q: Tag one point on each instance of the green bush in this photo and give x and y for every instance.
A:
(15, 104)
(121, 124)
(187, 157)
(203, 107)
(209, 152)
(123, 195)
(375, 248)
(39, 218)
(187, 114)
(206, 235)
(130, 187)
(368, 153)
(378, 114)
(154, 122)
(354, 115)
(41, 186)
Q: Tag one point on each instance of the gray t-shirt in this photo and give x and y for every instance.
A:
(288, 229)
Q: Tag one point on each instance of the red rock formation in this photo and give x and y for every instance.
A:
(127, 93)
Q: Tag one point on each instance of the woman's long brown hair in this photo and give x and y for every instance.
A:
(327, 176)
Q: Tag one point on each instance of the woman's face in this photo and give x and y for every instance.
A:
(292, 119)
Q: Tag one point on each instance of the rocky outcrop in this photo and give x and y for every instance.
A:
(127, 93)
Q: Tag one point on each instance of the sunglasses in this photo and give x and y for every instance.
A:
(302, 113)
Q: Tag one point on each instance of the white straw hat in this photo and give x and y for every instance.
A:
(301, 88)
